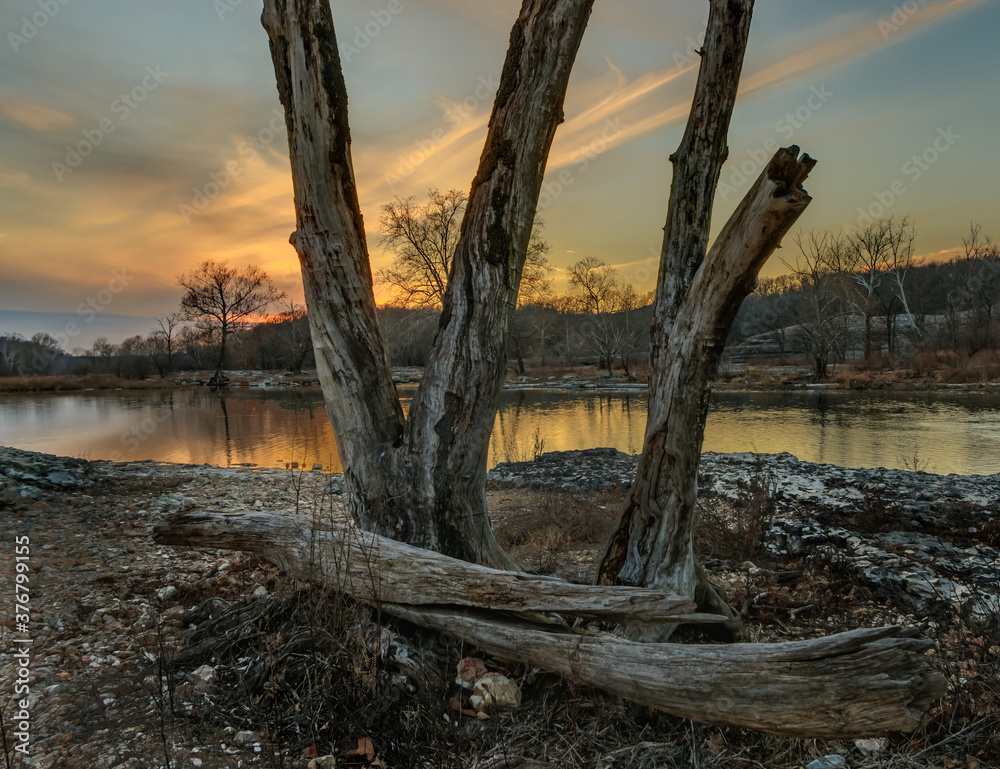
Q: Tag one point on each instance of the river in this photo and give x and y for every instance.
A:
(942, 432)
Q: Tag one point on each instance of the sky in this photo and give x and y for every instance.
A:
(139, 138)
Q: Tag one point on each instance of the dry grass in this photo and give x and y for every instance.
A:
(733, 530)
(70, 382)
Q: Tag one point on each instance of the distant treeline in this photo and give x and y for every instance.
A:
(855, 297)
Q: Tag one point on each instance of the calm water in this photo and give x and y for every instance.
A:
(948, 432)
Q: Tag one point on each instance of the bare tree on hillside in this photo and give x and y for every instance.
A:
(822, 320)
(880, 249)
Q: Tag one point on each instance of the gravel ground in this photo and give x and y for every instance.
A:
(106, 602)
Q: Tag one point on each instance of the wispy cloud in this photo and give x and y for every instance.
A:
(34, 116)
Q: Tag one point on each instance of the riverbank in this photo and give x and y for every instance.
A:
(765, 378)
(803, 550)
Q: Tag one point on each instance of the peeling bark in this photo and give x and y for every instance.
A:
(652, 543)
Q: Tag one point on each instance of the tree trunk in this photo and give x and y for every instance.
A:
(423, 480)
(848, 685)
(652, 544)
(223, 335)
(698, 295)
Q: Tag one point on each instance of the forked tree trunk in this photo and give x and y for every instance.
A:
(421, 480)
(652, 544)
(698, 295)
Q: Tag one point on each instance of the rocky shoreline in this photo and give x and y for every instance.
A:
(912, 556)
(105, 598)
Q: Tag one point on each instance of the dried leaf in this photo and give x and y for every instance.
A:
(364, 750)
(455, 703)
(716, 743)
(311, 752)
(971, 762)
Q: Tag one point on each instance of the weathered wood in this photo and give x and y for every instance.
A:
(454, 409)
(852, 684)
(351, 359)
(698, 295)
(846, 685)
(652, 544)
(377, 569)
(421, 480)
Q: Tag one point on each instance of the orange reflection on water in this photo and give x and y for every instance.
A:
(945, 432)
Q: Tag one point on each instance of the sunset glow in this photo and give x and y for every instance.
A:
(146, 138)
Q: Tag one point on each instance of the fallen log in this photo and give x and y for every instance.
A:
(376, 569)
(860, 683)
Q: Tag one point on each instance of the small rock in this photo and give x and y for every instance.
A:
(246, 738)
(174, 616)
(62, 478)
(260, 592)
(470, 670)
(323, 762)
(833, 761)
(204, 673)
(166, 593)
(871, 746)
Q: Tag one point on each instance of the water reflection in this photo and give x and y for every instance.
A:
(949, 432)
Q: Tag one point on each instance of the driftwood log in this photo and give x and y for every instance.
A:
(863, 682)
(379, 570)
(846, 685)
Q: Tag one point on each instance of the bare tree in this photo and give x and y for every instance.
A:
(972, 299)
(597, 294)
(225, 298)
(420, 479)
(424, 238)
(821, 319)
(168, 328)
(881, 249)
